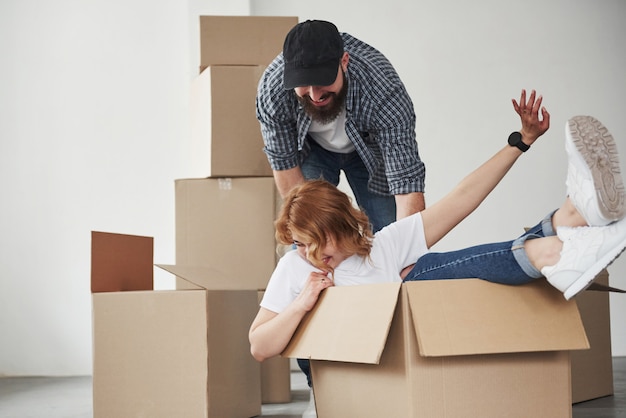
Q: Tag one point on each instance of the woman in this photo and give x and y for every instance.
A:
(335, 246)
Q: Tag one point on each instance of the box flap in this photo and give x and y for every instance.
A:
(121, 262)
(206, 277)
(349, 323)
(604, 288)
(472, 316)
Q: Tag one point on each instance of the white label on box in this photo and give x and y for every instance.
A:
(225, 184)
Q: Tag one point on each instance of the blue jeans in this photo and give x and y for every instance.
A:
(321, 163)
(502, 262)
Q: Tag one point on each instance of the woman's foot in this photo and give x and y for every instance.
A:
(594, 183)
(586, 251)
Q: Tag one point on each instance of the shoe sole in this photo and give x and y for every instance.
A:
(585, 280)
(597, 147)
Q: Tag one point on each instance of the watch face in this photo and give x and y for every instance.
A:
(515, 138)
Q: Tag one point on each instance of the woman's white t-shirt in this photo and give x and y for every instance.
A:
(394, 247)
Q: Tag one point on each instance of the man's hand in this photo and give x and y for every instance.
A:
(408, 204)
(287, 180)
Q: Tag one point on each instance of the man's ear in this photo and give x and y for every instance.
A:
(344, 61)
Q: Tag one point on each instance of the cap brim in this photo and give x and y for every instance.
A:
(317, 76)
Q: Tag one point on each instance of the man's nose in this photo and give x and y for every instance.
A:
(315, 93)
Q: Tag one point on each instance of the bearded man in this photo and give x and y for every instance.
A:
(330, 103)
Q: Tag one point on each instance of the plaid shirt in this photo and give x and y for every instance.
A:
(380, 121)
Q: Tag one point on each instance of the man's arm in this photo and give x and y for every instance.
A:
(287, 179)
(409, 203)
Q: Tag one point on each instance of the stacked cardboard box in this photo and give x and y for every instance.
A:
(234, 52)
(225, 212)
(185, 352)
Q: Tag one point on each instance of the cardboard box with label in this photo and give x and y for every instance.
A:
(169, 353)
(226, 137)
(445, 348)
(242, 40)
(228, 224)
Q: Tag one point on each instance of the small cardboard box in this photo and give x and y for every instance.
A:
(242, 40)
(179, 353)
(226, 137)
(228, 224)
(446, 348)
(592, 370)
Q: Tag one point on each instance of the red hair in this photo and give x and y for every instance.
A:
(317, 211)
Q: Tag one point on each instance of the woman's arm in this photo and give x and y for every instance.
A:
(271, 332)
(443, 216)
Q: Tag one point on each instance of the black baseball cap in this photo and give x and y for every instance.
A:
(312, 52)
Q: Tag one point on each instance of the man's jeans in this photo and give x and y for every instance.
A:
(321, 163)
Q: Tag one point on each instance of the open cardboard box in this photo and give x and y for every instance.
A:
(446, 348)
(169, 353)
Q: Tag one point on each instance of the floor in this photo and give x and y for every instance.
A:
(70, 397)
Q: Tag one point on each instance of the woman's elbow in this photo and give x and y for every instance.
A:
(256, 349)
(257, 355)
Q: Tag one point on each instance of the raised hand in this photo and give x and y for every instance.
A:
(533, 125)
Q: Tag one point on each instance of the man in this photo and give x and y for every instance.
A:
(332, 103)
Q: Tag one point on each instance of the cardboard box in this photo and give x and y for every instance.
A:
(242, 40)
(275, 378)
(228, 225)
(592, 370)
(179, 353)
(226, 136)
(446, 348)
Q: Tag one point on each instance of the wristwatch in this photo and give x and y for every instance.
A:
(515, 140)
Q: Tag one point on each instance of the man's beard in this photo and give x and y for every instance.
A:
(330, 112)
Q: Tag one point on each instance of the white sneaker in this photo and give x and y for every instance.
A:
(594, 183)
(586, 251)
(310, 411)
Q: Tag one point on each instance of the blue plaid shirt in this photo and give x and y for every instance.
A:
(380, 121)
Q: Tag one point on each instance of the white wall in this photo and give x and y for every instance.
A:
(94, 114)
(94, 129)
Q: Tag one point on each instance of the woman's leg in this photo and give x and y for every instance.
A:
(502, 262)
(569, 261)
